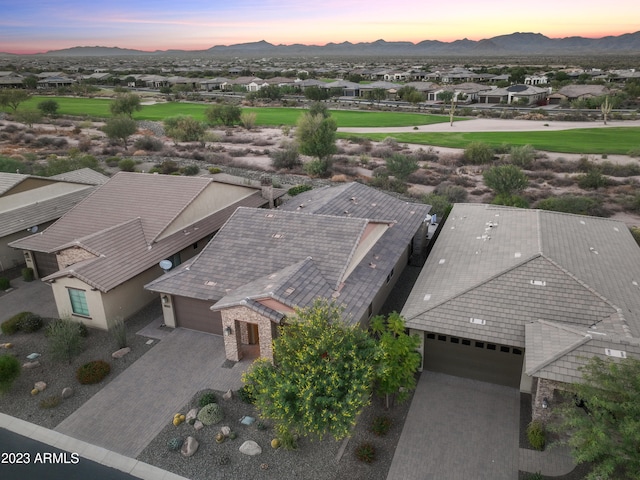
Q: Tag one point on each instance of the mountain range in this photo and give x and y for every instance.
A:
(503, 45)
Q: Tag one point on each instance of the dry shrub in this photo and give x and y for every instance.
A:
(339, 178)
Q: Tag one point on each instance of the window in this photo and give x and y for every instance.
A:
(78, 302)
(390, 276)
(466, 342)
(479, 344)
(454, 340)
(504, 349)
(442, 338)
(491, 346)
(517, 351)
(431, 336)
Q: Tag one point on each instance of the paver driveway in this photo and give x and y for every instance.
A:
(456, 429)
(133, 408)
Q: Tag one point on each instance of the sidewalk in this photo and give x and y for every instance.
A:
(552, 462)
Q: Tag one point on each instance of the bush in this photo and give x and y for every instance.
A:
(211, 414)
(27, 274)
(453, 193)
(112, 161)
(31, 323)
(287, 157)
(190, 170)
(573, 204)
(148, 143)
(381, 425)
(9, 371)
(5, 284)
(65, 339)
(214, 170)
(635, 233)
(536, 435)
(317, 168)
(167, 167)
(366, 452)
(522, 156)
(127, 165)
(11, 326)
(118, 332)
(592, 180)
(93, 372)
(510, 201)
(298, 189)
(50, 402)
(478, 153)
(207, 399)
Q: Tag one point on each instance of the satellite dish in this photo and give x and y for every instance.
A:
(33, 229)
(165, 265)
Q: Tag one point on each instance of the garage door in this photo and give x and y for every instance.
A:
(46, 263)
(462, 357)
(196, 315)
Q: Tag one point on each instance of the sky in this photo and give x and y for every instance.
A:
(33, 26)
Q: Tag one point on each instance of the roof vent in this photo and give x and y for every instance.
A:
(278, 235)
(517, 255)
(269, 215)
(582, 222)
(427, 297)
(209, 283)
(616, 229)
(441, 262)
(477, 321)
(593, 250)
(538, 283)
(372, 265)
(289, 291)
(610, 352)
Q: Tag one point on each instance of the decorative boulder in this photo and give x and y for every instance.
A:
(225, 431)
(189, 447)
(40, 386)
(120, 353)
(198, 425)
(67, 392)
(247, 420)
(191, 415)
(33, 356)
(250, 448)
(30, 365)
(227, 395)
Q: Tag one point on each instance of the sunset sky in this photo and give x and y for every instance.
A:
(31, 26)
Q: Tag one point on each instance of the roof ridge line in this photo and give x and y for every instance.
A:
(581, 341)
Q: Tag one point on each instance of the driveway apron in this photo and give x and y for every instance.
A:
(133, 408)
(458, 428)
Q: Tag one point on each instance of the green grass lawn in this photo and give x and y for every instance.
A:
(585, 140)
(98, 107)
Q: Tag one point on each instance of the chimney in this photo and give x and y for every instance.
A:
(267, 189)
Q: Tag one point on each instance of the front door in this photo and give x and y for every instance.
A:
(252, 333)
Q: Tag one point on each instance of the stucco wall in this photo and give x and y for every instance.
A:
(12, 257)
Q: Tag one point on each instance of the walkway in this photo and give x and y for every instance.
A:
(553, 462)
(458, 428)
(36, 297)
(133, 408)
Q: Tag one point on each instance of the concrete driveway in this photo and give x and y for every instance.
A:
(133, 408)
(458, 428)
(36, 297)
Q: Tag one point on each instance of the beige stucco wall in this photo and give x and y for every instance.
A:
(12, 257)
(215, 197)
(94, 302)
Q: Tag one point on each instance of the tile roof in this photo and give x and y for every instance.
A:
(511, 267)
(10, 180)
(296, 254)
(83, 175)
(120, 224)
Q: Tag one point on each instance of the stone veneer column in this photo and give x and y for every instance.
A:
(231, 342)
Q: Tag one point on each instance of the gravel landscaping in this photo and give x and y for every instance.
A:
(98, 345)
(313, 459)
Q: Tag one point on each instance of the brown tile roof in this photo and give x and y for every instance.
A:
(83, 175)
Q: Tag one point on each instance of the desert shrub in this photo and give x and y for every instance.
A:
(27, 274)
(167, 167)
(534, 476)
(536, 435)
(440, 205)
(211, 414)
(580, 205)
(620, 170)
(60, 142)
(118, 332)
(50, 402)
(422, 155)
(112, 161)
(175, 444)
(381, 425)
(246, 394)
(634, 152)
(248, 120)
(593, 180)
(148, 143)
(510, 200)
(5, 283)
(635, 233)
(388, 183)
(31, 323)
(298, 189)
(127, 165)
(9, 371)
(478, 153)
(65, 339)
(366, 452)
(381, 152)
(522, 156)
(11, 326)
(317, 168)
(207, 398)
(93, 372)
(190, 170)
(454, 193)
(214, 170)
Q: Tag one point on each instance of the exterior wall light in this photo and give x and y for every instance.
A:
(165, 300)
(545, 403)
(227, 331)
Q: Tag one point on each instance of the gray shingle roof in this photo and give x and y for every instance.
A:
(83, 175)
(511, 267)
(10, 180)
(296, 254)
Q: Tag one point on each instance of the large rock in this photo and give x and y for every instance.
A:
(67, 392)
(40, 386)
(250, 448)
(121, 353)
(189, 447)
(228, 395)
(225, 431)
(198, 425)
(30, 365)
(191, 415)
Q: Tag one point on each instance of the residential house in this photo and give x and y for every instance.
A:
(29, 203)
(527, 94)
(391, 89)
(523, 297)
(101, 253)
(349, 243)
(55, 82)
(569, 93)
(11, 80)
(213, 84)
(348, 89)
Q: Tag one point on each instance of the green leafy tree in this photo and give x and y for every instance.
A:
(505, 179)
(318, 108)
(30, 82)
(28, 117)
(184, 128)
(607, 433)
(13, 97)
(9, 371)
(316, 94)
(125, 104)
(376, 95)
(120, 128)
(225, 114)
(400, 360)
(322, 377)
(401, 166)
(48, 107)
(316, 135)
